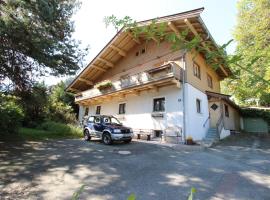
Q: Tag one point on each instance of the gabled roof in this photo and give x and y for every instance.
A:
(224, 97)
(124, 41)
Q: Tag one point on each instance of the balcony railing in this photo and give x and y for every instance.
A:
(169, 71)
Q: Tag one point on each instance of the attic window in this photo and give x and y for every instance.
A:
(143, 51)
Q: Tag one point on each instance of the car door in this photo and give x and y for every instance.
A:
(98, 126)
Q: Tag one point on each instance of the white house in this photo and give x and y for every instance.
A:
(154, 88)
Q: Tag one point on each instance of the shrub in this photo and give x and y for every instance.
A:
(11, 114)
(60, 129)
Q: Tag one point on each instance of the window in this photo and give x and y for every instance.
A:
(86, 111)
(91, 119)
(98, 110)
(198, 106)
(226, 110)
(122, 108)
(196, 70)
(97, 120)
(159, 104)
(143, 51)
(209, 81)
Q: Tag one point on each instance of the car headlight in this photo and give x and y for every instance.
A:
(117, 131)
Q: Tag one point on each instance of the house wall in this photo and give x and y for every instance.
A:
(194, 120)
(154, 56)
(233, 121)
(201, 84)
(140, 108)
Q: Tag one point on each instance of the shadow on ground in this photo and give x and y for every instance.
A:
(56, 169)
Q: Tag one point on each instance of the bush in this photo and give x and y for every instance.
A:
(51, 130)
(11, 114)
(61, 112)
(61, 129)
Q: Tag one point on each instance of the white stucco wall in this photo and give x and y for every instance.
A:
(194, 120)
(139, 109)
(224, 133)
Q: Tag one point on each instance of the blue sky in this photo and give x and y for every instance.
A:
(219, 17)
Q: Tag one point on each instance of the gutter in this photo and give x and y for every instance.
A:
(184, 93)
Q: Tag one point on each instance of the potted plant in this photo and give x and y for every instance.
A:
(104, 85)
(190, 140)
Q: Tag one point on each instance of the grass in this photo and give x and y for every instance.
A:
(47, 130)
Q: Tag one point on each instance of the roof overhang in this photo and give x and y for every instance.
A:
(124, 41)
(223, 97)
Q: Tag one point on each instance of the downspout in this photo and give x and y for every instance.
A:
(184, 93)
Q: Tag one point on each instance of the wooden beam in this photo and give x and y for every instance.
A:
(98, 68)
(174, 29)
(193, 30)
(120, 51)
(110, 64)
(137, 40)
(155, 39)
(86, 81)
(74, 89)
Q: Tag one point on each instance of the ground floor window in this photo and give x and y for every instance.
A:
(122, 108)
(198, 106)
(98, 110)
(86, 111)
(159, 104)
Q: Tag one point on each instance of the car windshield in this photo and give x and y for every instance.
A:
(111, 120)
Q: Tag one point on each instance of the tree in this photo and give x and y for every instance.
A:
(61, 107)
(36, 39)
(34, 103)
(252, 35)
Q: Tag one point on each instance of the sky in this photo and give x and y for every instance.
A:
(219, 17)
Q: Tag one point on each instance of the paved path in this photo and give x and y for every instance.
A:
(56, 169)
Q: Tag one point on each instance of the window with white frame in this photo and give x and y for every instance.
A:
(122, 108)
(159, 104)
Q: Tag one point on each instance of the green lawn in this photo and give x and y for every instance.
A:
(47, 130)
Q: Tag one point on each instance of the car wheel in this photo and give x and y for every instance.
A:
(106, 139)
(87, 136)
(128, 141)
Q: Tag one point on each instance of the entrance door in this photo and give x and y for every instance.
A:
(215, 108)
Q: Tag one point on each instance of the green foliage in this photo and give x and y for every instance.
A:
(61, 105)
(131, 197)
(252, 34)
(104, 85)
(260, 113)
(34, 102)
(76, 194)
(192, 192)
(11, 114)
(51, 130)
(36, 39)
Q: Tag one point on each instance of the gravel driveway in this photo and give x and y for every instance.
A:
(56, 169)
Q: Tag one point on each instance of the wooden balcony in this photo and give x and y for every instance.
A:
(169, 74)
